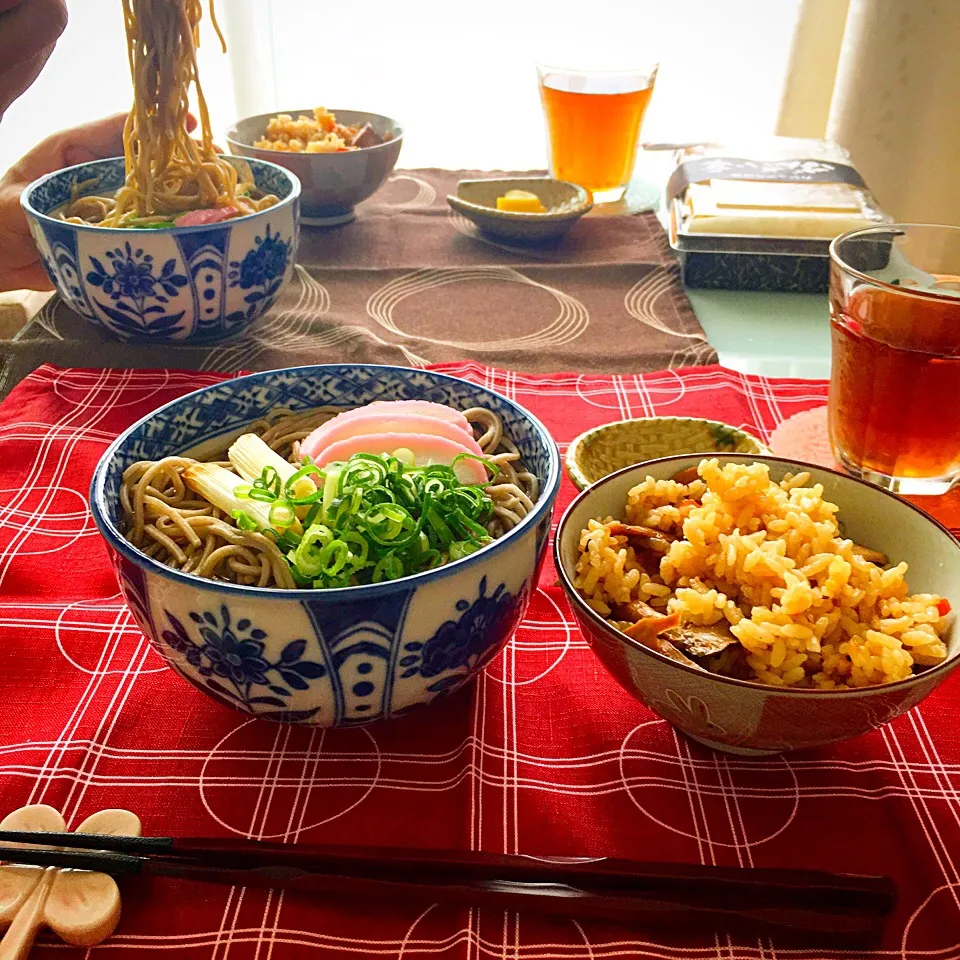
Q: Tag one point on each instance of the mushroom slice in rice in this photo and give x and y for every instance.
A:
(693, 639)
(650, 632)
(687, 476)
(871, 556)
(646, 538)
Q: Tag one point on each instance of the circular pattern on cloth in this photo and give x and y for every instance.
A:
(709, 797)
(52, 517)
(278, 782)
(288, 329)
(570, 322)
(534, 659)
(640, 301)
(84, 629)
(82, 388)
(425, 196)
(930, 924)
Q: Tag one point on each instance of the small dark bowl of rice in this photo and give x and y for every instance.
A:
(324, 657)
(180, 284)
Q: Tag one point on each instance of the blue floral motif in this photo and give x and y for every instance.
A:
(133, 586)
(50, 266)
(468, 643)
(230, 657)
(139, 294)
(261, 272)
(263, 264)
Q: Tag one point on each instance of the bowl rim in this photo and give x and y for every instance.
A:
(232, 139)
(115, 539)
(584, 609)
(578, 476)
(26, 202)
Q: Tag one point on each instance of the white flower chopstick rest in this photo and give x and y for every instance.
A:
(81, 907)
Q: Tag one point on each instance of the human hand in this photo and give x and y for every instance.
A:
(20, 266)
(29, 30)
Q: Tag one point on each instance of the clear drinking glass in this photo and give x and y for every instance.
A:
(895, 378)
(593, 120)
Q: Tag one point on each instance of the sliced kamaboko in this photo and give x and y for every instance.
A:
(381, 411)
(412, 423)
(423, 408)
(426, 451)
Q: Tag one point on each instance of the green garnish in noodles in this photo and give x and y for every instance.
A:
(372, 518)
(151, 224)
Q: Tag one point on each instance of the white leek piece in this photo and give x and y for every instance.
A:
(218, 485)
(250, 455)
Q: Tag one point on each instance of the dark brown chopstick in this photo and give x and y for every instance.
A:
(719, 884)
(849, 926)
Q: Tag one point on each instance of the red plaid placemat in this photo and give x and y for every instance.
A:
(543, 755)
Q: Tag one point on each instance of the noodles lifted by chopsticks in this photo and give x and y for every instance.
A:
(167, 171)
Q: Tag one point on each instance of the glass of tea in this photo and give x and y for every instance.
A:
(895, 379)
(593, 122)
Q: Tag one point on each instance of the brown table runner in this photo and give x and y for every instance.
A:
(411, 282)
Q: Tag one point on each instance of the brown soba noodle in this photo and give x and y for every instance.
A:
(174, 525)
(167, 171)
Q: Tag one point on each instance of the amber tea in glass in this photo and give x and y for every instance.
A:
(895, 378)
(593, 123)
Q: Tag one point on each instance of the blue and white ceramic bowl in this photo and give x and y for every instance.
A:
(185, 284)
(326, 657)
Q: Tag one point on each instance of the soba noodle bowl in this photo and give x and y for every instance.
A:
(171, 179)
(166, 517)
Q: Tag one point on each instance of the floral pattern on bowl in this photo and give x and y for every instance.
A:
(193, 284)
(327, 657)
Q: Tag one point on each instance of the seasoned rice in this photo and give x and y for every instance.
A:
(767, 559)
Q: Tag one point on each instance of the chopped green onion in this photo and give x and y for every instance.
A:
(282, 514)
(492, 468)
(290, 486)
(440, 526)
(151, 224)
(463, 548)
(244, 520)
(389, 567)
(373, 518)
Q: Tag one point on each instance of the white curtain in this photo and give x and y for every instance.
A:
(897, 104)
(883, 79)
(459, 76)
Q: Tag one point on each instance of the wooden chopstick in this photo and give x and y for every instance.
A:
(847, 927)
(720, 884)
(692, 906)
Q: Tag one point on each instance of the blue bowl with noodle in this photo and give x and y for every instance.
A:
(187, 284)
(333, 657)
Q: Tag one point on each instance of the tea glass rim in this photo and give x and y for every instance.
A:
(837, 260)
(647, 67)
